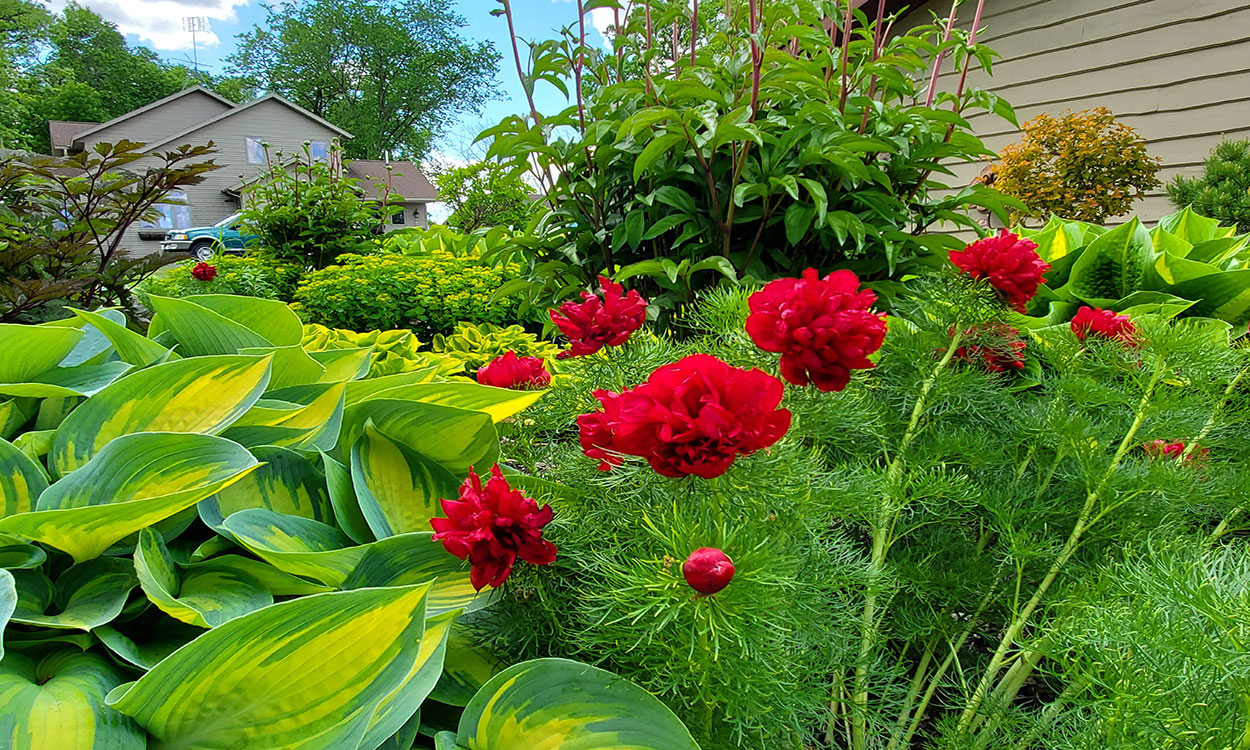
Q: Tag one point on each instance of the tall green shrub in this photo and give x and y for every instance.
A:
(1223, 190)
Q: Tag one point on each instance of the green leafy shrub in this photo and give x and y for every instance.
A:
(393, 351)
(246, 275)
(230, 547)
(1082, 165)
(1186, 265)
(761, 142)
(475, 345)
(482, 195)
(306, 211)
(428, 293)
(1223, 190)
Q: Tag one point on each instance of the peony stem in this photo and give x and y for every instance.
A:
(1069, 548)
(886, 514)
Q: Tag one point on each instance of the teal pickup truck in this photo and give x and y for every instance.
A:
(205, 242)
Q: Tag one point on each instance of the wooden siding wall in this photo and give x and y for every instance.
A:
(1176, 70)
(161, 121)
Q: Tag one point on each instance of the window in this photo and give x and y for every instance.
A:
(398, 217)
(256, 151)
(170, 215)
(317, 150)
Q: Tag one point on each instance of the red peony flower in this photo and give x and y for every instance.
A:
(998, 347)
(204, 271)
(694, 416)
(595, 323)
(1011, 265)
(1172, 449)
(491, 526)
(1103, 324)
(708, 570)
(511, 371)
(823, 328)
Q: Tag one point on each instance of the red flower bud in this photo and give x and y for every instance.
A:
(997, 347)
(1009, 263)
(204, 272)
(1103, 324)
(708, 570)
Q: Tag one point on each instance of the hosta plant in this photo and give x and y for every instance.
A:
(211, 537)
(475, 345)
(393, 352)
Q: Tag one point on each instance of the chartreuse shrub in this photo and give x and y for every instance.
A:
(393, 352)
(941, 551)
(475, 345)
(246, 275)
(429, 293)
(1187, 265)
(211, 538)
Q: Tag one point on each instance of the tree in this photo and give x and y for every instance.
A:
(483, 194)
(394, 74)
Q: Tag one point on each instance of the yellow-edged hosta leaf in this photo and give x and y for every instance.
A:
(201, 394)
(152, 647)
(14, 413)
(35, 443)
(86, 595)
(272, 319)
(27, 351)
(362, 390)
(275, 581)
(456, 439)
(397, 708)
(21, 480)
(347, 514)
(557, 704)
(57, 703)
(206, 596)
(342, 365)
(410, 559)
(291, 366)
(399, 490)
(296, 545)
(200, 331)
(306, 418)
(467, 666)
(8, 603)
(67, 382)
(133, 483)
(131, 347)
(499, 403)
(246, 683)
(286, 482)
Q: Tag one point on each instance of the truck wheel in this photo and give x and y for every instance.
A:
(203, 251)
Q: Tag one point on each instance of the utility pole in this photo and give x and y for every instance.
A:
(195, 24)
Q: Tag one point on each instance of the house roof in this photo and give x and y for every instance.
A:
(63, 132)
(404, 178)
(243, 108)
(136, 112)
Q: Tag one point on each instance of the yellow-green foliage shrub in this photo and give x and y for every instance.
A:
(1080, 165)
(246, 275)
(475, 345)
(393, 351)
(427, 293)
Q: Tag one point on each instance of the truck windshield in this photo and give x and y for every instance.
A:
(226, 222)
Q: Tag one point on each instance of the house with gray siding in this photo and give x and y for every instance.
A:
(246, 136)
(1178, 71)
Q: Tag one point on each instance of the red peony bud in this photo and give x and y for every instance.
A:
(708, 570)
(1105, 324)
(204, 271)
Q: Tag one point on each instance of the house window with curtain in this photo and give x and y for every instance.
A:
(170, 215)
(256, 151)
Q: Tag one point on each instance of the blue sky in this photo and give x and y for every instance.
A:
(157, 24)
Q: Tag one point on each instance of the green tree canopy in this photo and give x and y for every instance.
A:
(394, 74)
(483, 194)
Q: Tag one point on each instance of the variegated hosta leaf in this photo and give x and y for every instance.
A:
(27, 351)
(299, 546)
(206, 596)
(397, 708)
(94, 347)
(347, 513)
(275, 581)
(62, 382)
(291, 366)
(155, 644)
(57, 703)
(16, 554)
(499, 403)
(467, 666)
(398, 489)
(342, 365)
(14, 413)
(273, 320)
(286, 482)
(245, 684)
(132, 347)
(416, 558)
(134, 482)
(456, 439)
(304, 417)
(557, 704)
(200, 331)
(8, 603)
(203, 394)
(86, 596)
(21, 480)
(363, 390)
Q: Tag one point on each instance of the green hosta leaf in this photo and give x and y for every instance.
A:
(398, 489)
(57, 703)
(27, 351)
(275, 581)
(273, 320)
(291, 366)
(343, 364)
(1189, 226)
(1220, 250)
(310, 426)
(35, 444)
(415, 558)
(298, 546)
(62, 382)
(245, 684)
(1166, 242)
(1113, 265)
(286, 482)
(467, 666)
(21, 480)
(131, 347)
(558, 704)
(18, 555)
(94, 347)
(403, 703)
(203, 394)
(454, 438)
(207, 596)
(86, 596)
(8, 603)
(200, 331)
(347, 513)
(135, 482)
(361, 390)
(1151, 303)
(1225, 296)
(155, 644)
(499, 403)
(14, 413)
(1171, 269)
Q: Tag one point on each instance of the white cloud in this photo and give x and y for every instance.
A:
(158, 23)
(601, 19)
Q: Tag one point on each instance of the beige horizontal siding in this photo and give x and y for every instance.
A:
(1176, 70)
(161, 121)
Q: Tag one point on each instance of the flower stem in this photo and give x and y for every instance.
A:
(886, 513)
(1069, 548)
